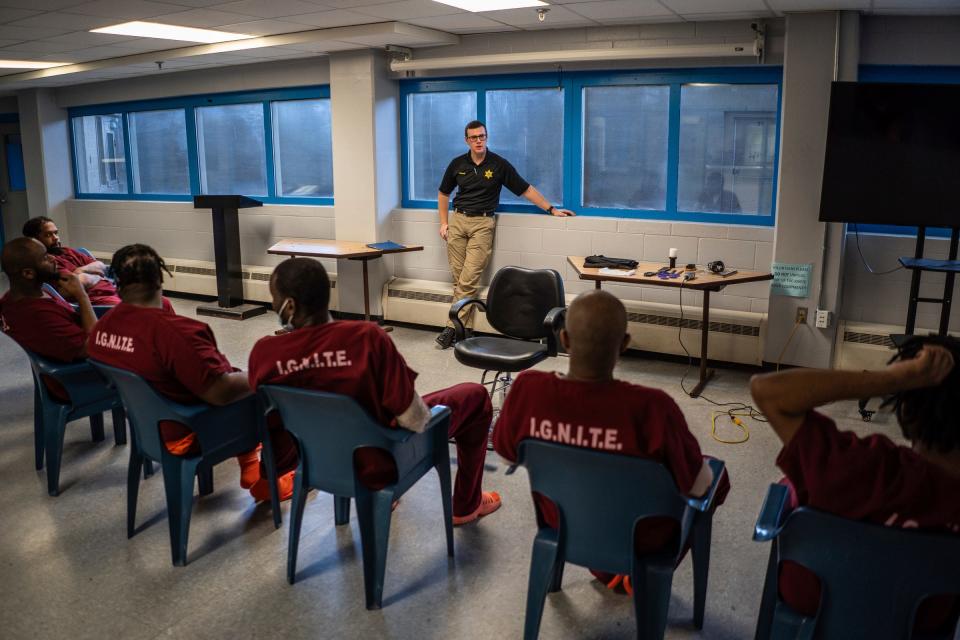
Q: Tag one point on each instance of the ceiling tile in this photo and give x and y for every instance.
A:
(194, 3)
(87, 39)
(7, 47)
(29, 33)
(621, 10)
(915, 5)
(120, 10)
(556, 17)
(59, 20)
(41, 5)
(270, 8)
(462, 23)
(336, 18)
(201, 18)
(407, 9)
(10, 15)
(265, 27)
(346, 4)
(41, 46)
(730, 15)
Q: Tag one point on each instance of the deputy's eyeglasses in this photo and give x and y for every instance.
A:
(477, 138)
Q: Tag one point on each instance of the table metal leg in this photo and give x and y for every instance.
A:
(596, 284)
(705, 374)
(366, 294)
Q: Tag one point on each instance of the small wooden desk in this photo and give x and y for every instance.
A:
(341, 250)
(705, 282)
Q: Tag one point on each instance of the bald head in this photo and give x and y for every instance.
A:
(595, 331)
(20, 254)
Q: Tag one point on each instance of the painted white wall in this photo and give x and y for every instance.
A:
(46, 159)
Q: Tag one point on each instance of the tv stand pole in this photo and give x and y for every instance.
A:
(918, 264)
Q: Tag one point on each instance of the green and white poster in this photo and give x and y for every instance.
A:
(791, 280)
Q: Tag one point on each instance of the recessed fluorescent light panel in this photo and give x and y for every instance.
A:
(170, 32)
(28, 64)
(491, 5)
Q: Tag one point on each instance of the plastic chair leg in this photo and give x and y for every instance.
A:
(557, 582)
(296, 519)
(271, 466)
(769, 599)
(147, 468)
(341, 510)
(119, 426)
(204, 479)
(789, 625)
(96, 427)
(178, 477)
(373, 514)
(701, 566)
(54, 421)
(446, 492)
(37, 429)
(651, 599)
(543, 561)
(133, 490)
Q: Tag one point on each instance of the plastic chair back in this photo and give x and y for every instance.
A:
(98, 309)
(519, 299)
(601, 497)
(873, 578)
(329, 427)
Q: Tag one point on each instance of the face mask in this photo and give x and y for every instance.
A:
(285, 325)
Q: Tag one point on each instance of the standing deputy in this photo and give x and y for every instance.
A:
(478, 176)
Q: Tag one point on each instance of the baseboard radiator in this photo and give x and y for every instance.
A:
(735, 336)
(865, 345)
(199, 277)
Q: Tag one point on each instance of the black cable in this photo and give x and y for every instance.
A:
(869, 269)
(734, 406)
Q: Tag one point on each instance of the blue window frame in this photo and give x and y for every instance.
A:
(585, 157)
(907, 74)
(119, 156)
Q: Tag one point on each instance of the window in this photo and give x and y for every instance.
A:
(692, 145)
(303, 148)
(436, 122)
(158, 152)
(275, 146)
(231, 147)
(625, 147)
(728, 136)
(100, 159)
(526, 127)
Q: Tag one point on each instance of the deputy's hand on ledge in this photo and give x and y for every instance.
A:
(562, 212)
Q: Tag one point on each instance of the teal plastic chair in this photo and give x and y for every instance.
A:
(98, 309)
(601, 498)
(329, 428)
(223, 432)
(89, 397)
(873, 578)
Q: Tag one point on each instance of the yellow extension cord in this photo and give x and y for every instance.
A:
(736, 421)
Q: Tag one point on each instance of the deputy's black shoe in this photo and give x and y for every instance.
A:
(446, 338)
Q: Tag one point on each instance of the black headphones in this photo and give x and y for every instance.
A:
(716, 266)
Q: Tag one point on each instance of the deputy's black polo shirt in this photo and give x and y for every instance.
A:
(478, 186)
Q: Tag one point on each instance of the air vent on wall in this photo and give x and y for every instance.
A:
(687, 323)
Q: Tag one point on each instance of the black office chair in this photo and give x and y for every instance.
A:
(526, 306)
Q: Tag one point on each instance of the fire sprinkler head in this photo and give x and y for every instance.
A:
(542, 14)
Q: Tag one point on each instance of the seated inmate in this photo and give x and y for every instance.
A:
(588, 407)
(872, 478)
(358, 359)
(176, 355)
(70, 261)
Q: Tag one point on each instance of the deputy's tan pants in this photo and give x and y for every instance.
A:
(469, 247)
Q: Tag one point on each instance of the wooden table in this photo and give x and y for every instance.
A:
(341, 250)
(705, 282)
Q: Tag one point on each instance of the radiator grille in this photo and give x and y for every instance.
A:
(868, 338)
(420, 295)
(246, 275)
(688, 323)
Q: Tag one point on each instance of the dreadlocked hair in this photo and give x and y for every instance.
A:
(306, 281)
(929, 415)
(139, 264)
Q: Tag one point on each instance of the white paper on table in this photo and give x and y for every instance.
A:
(607, 271)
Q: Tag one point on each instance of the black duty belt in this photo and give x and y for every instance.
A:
(475, 214)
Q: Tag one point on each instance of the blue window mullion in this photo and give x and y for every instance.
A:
(127, 152)
(73, 159)
(193, 152)
(482, 105)
(572, 144)
(673, 151)
(268, 146)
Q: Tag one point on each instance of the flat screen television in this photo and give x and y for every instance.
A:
(893, 155)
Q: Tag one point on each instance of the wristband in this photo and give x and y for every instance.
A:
(550, 209)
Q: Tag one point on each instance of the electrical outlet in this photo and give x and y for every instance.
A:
(823, 319)
(801, 315)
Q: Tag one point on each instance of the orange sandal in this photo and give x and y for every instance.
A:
(489, 502)
(621, 580)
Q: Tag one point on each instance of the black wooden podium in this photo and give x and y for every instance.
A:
(226, 249)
